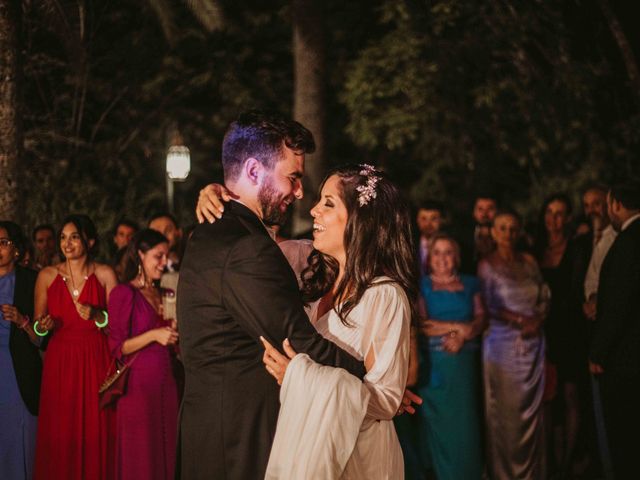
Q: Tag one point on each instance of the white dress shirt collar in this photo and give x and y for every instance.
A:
(630, 221)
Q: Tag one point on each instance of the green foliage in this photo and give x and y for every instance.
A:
(492, 95)
(102, 94)
(450, 96)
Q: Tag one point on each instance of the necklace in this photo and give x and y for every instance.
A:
(74, 292)
(444, 281)
(450, 284)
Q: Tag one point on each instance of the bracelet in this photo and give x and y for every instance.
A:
(25, 322)
(40, 334)
(106, 320)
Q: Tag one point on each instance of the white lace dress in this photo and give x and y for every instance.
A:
(332, 425)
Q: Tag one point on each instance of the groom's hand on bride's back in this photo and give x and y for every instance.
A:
(210, 202)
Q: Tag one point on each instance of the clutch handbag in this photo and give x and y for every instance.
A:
(115, 385)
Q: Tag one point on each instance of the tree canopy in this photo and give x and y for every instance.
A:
(451, 96)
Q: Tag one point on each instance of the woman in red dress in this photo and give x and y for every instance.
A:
(75, 437)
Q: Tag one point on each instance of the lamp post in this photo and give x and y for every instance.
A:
(178, 167)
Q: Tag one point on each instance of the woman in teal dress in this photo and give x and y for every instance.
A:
(450, 374)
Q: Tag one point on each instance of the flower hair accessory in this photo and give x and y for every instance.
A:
(368, 191)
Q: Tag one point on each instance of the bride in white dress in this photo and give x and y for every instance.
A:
(358, 284)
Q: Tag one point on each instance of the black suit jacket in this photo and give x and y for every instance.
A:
(583, 249)
(465, 237)
(27, 363)
(579, 325)
(235, 285)
(616, 338)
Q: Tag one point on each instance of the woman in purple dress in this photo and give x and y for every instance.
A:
(147, 414)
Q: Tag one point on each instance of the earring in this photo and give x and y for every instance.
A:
(143, 280)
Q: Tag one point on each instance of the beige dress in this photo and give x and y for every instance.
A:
(332, 425)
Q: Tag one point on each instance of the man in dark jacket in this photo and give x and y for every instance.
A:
(476, 242)
(235, 286)
(615, 345)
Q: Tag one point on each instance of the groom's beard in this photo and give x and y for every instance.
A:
(272, 204)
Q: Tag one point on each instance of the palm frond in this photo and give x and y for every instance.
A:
(166, 17)
(208, 13)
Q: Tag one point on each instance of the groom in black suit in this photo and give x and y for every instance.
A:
(615, 345)
(235, 286)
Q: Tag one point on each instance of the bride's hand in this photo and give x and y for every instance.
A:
(210, 202)
(408, 400)
(276, 363)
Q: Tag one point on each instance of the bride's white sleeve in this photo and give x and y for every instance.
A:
(387, 331)
(322, 410)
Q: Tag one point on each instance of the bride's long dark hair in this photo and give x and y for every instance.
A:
(377, 239)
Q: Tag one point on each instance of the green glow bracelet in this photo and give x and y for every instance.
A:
(106, 320)
(40, 334)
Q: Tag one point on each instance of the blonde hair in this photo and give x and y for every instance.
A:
(441, 237)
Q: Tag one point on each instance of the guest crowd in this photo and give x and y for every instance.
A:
(529, 342)
(526, 354)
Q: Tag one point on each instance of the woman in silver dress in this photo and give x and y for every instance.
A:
(513, 355)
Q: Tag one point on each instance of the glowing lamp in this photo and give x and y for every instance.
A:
(178, 163)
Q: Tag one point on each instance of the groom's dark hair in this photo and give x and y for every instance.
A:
(261, 135)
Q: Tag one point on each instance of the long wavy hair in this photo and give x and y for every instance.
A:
(378, 242)
(143, 241)
(542, 235)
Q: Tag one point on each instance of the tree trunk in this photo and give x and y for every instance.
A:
(628, 57)
(309, 98)
(10, 131)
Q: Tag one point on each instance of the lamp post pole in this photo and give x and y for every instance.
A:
(170, 194)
